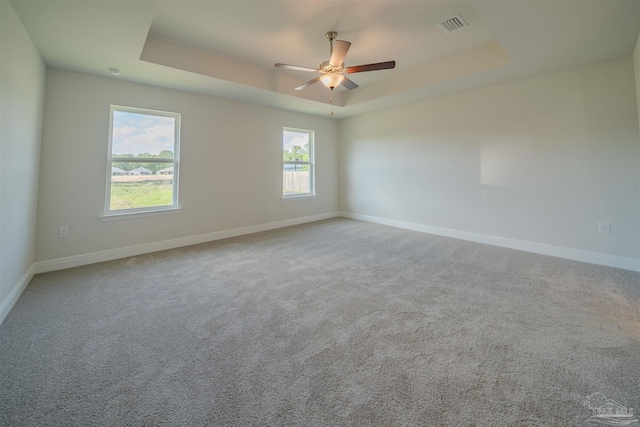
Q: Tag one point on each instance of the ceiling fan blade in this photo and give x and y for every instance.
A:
(371, 67)
(295, 67)
(309, 83)
(340, 48)
(349, 84)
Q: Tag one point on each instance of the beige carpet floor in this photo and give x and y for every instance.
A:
(338, 322)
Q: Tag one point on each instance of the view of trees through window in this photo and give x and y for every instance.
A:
(297, 153)
(297, 162)
(153, 167)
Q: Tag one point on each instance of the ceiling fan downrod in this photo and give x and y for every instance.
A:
(331, 36)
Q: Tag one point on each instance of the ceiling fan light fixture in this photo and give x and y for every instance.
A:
(332, 80)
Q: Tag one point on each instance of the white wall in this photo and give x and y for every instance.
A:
(22, 79)
(539, 160)
(231, 165)
(636, 69)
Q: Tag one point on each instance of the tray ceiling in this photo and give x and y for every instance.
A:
(228, 48)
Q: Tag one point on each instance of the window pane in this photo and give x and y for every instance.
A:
(144, 147)
(295, 146)
(297, 162)
(142, 135)
(134, 186)
(296, 179)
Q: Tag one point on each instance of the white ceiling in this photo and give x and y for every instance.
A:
(228, 48)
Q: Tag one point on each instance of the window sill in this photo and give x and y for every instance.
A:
(298, 197)
(115, 216)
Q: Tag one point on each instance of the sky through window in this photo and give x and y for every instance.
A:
(135, 133)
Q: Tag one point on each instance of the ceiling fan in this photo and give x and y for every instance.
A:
(333, 71)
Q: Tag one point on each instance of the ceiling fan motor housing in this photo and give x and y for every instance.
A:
(326, 68)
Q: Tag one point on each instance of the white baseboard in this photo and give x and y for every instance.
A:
(108, 255)
(10, 300)
(538, 248)
(111, 254)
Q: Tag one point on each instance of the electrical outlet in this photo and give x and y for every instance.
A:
(604, 228)
(63, 231)
(270, 208)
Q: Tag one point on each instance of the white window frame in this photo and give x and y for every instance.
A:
(310, 163)
(147, 210)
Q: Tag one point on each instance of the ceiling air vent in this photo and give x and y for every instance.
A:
(452, 24)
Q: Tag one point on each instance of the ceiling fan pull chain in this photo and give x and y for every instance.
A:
(331, 101)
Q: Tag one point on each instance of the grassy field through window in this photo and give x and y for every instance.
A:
(129, 195)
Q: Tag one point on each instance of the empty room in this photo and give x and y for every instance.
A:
(319, 213)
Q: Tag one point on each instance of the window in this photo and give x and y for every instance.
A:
(297, 163)
(143, 161)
